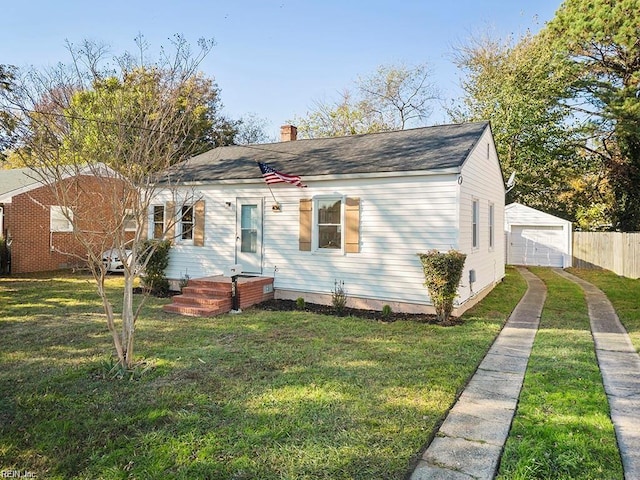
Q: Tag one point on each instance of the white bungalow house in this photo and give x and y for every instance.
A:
(370, 204)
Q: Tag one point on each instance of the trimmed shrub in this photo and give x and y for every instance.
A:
(442, 273)
(386, 311)
(154, 279)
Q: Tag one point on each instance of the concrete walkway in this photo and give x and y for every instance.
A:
(470, 441)
(620, 368)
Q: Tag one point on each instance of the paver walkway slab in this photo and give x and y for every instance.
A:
(620, 368)
(470, 441)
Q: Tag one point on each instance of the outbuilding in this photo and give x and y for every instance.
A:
(535, 238)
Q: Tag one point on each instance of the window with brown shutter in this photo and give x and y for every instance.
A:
(322, 228)
(170, 221)
(198, 227)
(144, 231)
(306, 222)
(352, 227)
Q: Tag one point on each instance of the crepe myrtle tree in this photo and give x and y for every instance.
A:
(102, 134)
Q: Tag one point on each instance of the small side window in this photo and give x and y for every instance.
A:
(475, 224)
(130, 223)
(492, 227)
(60, 219)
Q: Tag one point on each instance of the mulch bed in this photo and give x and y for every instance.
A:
(290, 305)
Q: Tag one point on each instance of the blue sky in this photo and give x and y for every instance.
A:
(274, 58)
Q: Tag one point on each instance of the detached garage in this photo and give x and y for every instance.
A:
(536, 238)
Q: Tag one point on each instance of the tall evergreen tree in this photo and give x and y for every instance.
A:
(601, 37)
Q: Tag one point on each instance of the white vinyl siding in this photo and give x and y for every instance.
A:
(483, 181)
(398, 219)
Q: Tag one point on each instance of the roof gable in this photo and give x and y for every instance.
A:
(518, 214)
(419, 149)
(16, 181)
(21, 180)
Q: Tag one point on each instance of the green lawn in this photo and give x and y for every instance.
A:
(624, 294)
(266, 395)
(562, 428)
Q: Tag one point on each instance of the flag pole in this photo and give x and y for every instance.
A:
(276, 206)
(274, 197)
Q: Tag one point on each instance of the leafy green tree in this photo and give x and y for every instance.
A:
(524, 88)
(115, 103)
(600, 37)
(128, 127)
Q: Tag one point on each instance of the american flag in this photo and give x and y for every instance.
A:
(272, 176)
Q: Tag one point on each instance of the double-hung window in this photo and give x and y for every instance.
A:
(492, 226)
(328, 223)
(475, 224)
(158, 221)
(186, 222)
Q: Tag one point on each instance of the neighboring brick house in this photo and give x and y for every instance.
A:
(40, 237)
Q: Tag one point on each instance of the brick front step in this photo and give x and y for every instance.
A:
(207, 292)
(207, 297)
(201, 300)
(193, 311)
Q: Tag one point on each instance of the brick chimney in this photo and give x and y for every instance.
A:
(288, 133)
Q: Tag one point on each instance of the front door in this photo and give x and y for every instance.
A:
(249, 235)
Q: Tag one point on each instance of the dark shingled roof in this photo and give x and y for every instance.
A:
(429, 148)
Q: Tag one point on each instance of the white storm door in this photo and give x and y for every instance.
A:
(249, 235)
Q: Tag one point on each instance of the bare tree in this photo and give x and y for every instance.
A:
(346, 116)
(102, 134)
(399, 94)
(394, 97)
(253, 129)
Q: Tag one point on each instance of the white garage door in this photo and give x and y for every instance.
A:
(537, 245)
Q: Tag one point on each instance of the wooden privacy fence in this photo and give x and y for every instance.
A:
(615, 251)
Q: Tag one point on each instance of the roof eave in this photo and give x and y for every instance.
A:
(330, 177)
